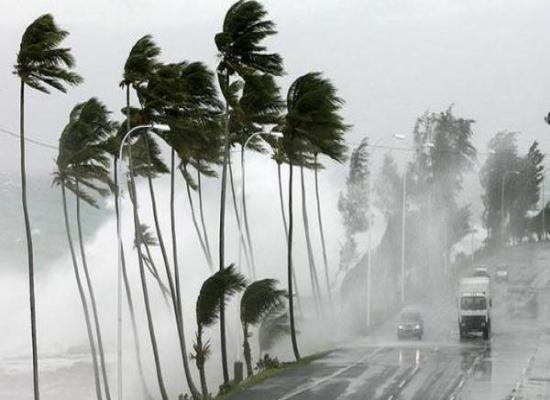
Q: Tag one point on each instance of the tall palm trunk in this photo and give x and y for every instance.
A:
(150, 324)
(245, 216)
(246, 352)
(321, 231)
(282, 204)
(30, 254)
(151, 266)
(196, 224)
(225, 369)
(82, 297)
(201, 209)
(177, 298)
(200, 359)
(289, 267)
(92, 299)
(243, 243)
(312, 268)
(129, 298)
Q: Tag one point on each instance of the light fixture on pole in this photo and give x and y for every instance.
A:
(161, 128)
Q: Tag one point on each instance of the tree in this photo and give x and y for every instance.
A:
(183, 96)
(41, 65)
(312, 120)
(82, 164)
(354, 203)
(222, 285)
(389, 188)
(502, 160)
(260, 299)
(241, 52)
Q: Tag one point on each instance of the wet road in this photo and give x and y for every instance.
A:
(439, 367)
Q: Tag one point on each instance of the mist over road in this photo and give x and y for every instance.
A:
(378, 366)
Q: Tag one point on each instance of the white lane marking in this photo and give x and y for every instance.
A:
(328, 378)
(402, 383)
(391, 397)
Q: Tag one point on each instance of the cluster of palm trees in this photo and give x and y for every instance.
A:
(203, 127)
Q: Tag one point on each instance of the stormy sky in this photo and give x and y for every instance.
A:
(390, 59)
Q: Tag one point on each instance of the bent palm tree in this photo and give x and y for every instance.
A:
(312, 119)
(41, 64)
(80, 152)
(241, 51)
(222, 285)
(260, 299)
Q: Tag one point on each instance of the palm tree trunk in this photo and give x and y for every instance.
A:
(92, 298)
(82, 297)
(204, 230)
(177, 295)
(245, 217)
(200, 360)
(151, 266)
(225, 369)
(249, 264)
(282, 203)
(150, 325)
(246, 352)
(289, 267)
(196, 224)
(30, 254)
(321, 231)
(129, 299)
(312, 268)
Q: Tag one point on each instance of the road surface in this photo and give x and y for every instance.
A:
(514, 364)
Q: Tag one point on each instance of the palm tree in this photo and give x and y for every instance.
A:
(316, 290)
(41, 64)
(320, 221)
(113, 146)
(221, 285)
(183, 96)
(78, 149)
(261, 298)
(88, 169)
(145, 290)
(312, 119)
(241, 51)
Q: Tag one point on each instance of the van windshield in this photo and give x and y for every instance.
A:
(473, 303)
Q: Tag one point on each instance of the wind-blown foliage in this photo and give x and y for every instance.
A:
(260, 298)
(241, 51)
(41, 64)
(215, 291)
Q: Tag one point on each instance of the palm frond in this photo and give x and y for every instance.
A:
(223, 284)
(41, 63)
(259, 299)
(141, 61)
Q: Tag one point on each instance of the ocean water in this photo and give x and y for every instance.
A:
(65, 362)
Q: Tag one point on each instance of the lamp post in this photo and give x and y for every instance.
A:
(504, 176)
(163, 128)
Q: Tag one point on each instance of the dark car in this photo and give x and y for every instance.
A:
(410, 324)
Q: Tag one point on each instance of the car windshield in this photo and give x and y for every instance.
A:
(473, 303)
(410, 317)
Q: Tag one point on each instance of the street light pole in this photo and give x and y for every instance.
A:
(506, 174)
(159, 127)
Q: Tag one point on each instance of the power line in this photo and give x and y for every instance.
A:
(30, 140)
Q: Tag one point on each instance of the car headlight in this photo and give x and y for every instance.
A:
(400, 326)
(417, 326)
